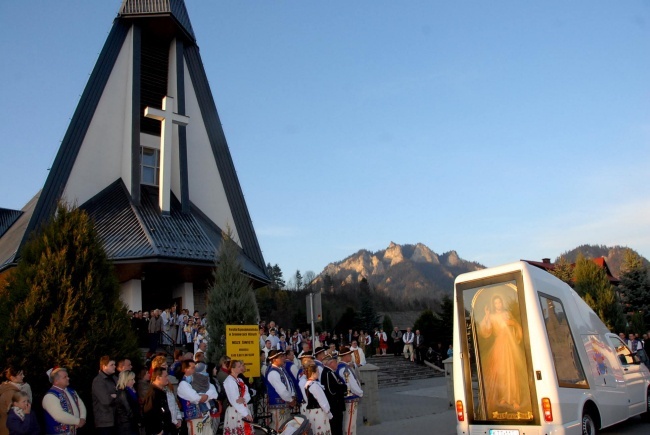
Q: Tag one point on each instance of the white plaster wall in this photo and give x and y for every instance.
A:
(172, 92)
(131, 294)
(128, 107)
(186, 291)
(205, 186)
(100, 162)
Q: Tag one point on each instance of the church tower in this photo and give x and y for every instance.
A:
(146, 157)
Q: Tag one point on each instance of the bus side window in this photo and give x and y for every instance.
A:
(624, 354)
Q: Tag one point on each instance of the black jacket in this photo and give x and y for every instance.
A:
(156, 416)
(127, 413)
(335, 390)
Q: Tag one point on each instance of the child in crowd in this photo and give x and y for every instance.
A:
(20, 419)
(201, 384)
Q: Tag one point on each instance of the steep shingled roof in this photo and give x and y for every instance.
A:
(131, 232)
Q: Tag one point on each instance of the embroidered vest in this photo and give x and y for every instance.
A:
(287, 367)
(312, 402)
(190, 410)
(352, 397)
(275, 401)
(51, 425)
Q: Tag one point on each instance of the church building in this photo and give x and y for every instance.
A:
(145, 155)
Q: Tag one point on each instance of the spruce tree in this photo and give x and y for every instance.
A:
(62, 306)
(367, 318)
(563, 270)
(635, 285)
(231, 299)
(387, 324)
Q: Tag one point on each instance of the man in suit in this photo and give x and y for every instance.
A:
(420, 348)
(335, 391)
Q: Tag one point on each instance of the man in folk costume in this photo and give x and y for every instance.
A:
(294, 369)
(197, 422)
(280, 388)
(306, 358)
(335, 391)
(65, 412)
(347, 373)
(319, 355)
(290, 364)
(408, 345)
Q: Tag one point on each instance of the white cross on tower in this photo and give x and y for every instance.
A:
(164, 116)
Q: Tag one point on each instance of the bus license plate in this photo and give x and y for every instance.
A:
(504, 432)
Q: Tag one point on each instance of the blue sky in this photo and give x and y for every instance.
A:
(501, 130)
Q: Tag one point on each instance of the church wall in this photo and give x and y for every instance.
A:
(126, 138)
(206, 188)
(185, 291)
(131, 294)
(100, 162)
(201, 300)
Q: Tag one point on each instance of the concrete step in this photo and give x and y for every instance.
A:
(395, 371)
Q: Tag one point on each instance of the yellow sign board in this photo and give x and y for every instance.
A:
(243, 343)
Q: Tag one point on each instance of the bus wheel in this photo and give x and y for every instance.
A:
(588, 425)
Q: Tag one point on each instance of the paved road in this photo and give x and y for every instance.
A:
(422, 408)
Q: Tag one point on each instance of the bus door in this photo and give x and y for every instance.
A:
(607, 378)
(499, 383)
(633, 374)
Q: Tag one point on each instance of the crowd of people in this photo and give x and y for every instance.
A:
(315, 376)
(169, 327)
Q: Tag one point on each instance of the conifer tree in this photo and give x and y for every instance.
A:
(231, 299)
(592, 285)
(61, 304)
(635, 286)
(387, 324)
(563, 270)
(367, 319)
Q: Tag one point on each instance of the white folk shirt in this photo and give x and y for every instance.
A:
(186, 392)
(286, 394)
(352, 381)
(316, 390)
(408, 338)
(232, 391)
(52, 405)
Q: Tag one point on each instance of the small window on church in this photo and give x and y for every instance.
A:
(150, 165)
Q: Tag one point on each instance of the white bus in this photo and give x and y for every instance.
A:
(531, 358)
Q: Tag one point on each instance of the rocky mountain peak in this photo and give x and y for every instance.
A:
(404, 271)
(393, 254)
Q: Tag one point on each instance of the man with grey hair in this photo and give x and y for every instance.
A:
(408, 338)
(155, 326)
(65, 412)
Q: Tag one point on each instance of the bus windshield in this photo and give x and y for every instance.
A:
(498, 363)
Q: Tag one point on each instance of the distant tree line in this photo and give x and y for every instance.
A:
(347, 305)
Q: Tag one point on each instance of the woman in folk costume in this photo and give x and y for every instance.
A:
(318, 408)
(238, 418)
(383, 341)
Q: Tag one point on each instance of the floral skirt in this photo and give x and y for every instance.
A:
(319, 421)
(234, 424)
